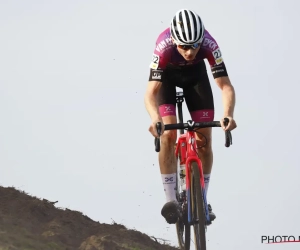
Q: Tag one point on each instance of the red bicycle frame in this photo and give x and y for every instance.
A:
(187, 147)
(188, 153)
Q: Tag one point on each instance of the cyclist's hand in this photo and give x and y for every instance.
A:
(231, 125)
(153, 129)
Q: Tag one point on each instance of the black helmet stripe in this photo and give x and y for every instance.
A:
(192, 25)
(198, 24)
(179, 22)
(185, 25)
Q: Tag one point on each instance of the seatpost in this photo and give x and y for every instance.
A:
(179, 100)
(179, 108)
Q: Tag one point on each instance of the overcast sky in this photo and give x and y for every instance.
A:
(74, 127)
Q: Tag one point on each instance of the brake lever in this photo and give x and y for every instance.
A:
(228, 136)
(157, 139)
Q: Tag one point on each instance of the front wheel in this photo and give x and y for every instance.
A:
(197, 205)
(183, 228)
(183, 232)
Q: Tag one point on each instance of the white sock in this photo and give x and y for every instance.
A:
(169, 183)
(206, 182)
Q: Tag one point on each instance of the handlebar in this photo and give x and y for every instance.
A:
(191, 125)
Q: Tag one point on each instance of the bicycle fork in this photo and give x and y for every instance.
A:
(182, 147)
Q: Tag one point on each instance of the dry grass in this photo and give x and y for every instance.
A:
(31, 223)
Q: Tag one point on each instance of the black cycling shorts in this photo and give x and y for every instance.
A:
(196, 87)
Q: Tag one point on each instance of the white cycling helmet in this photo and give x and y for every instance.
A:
(187, 27)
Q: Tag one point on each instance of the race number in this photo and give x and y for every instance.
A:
(155, 62)
(218, 56)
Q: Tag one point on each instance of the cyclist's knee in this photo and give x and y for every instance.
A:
(204, 142)
(204, 146)
(169, 137)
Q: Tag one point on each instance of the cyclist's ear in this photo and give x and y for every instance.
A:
(173, 41)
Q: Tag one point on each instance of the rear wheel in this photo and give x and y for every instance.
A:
(198, 212)
(183, 228)
(183, 232)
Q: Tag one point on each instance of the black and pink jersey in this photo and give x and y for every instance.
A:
(166, 53)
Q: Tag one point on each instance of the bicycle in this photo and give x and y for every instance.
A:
(190, 179)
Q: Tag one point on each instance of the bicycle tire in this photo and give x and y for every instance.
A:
(198, 212)
(183, 229)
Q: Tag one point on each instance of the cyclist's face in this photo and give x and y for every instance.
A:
(188, 54)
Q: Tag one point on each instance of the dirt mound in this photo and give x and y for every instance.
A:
(28, 222)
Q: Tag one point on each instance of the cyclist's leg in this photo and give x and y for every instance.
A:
(167, 159)
(200, 103)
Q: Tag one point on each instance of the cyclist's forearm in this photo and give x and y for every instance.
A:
(228, 96)
(151, 99)
(152, 107)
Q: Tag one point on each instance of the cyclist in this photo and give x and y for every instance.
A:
(178, 61)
